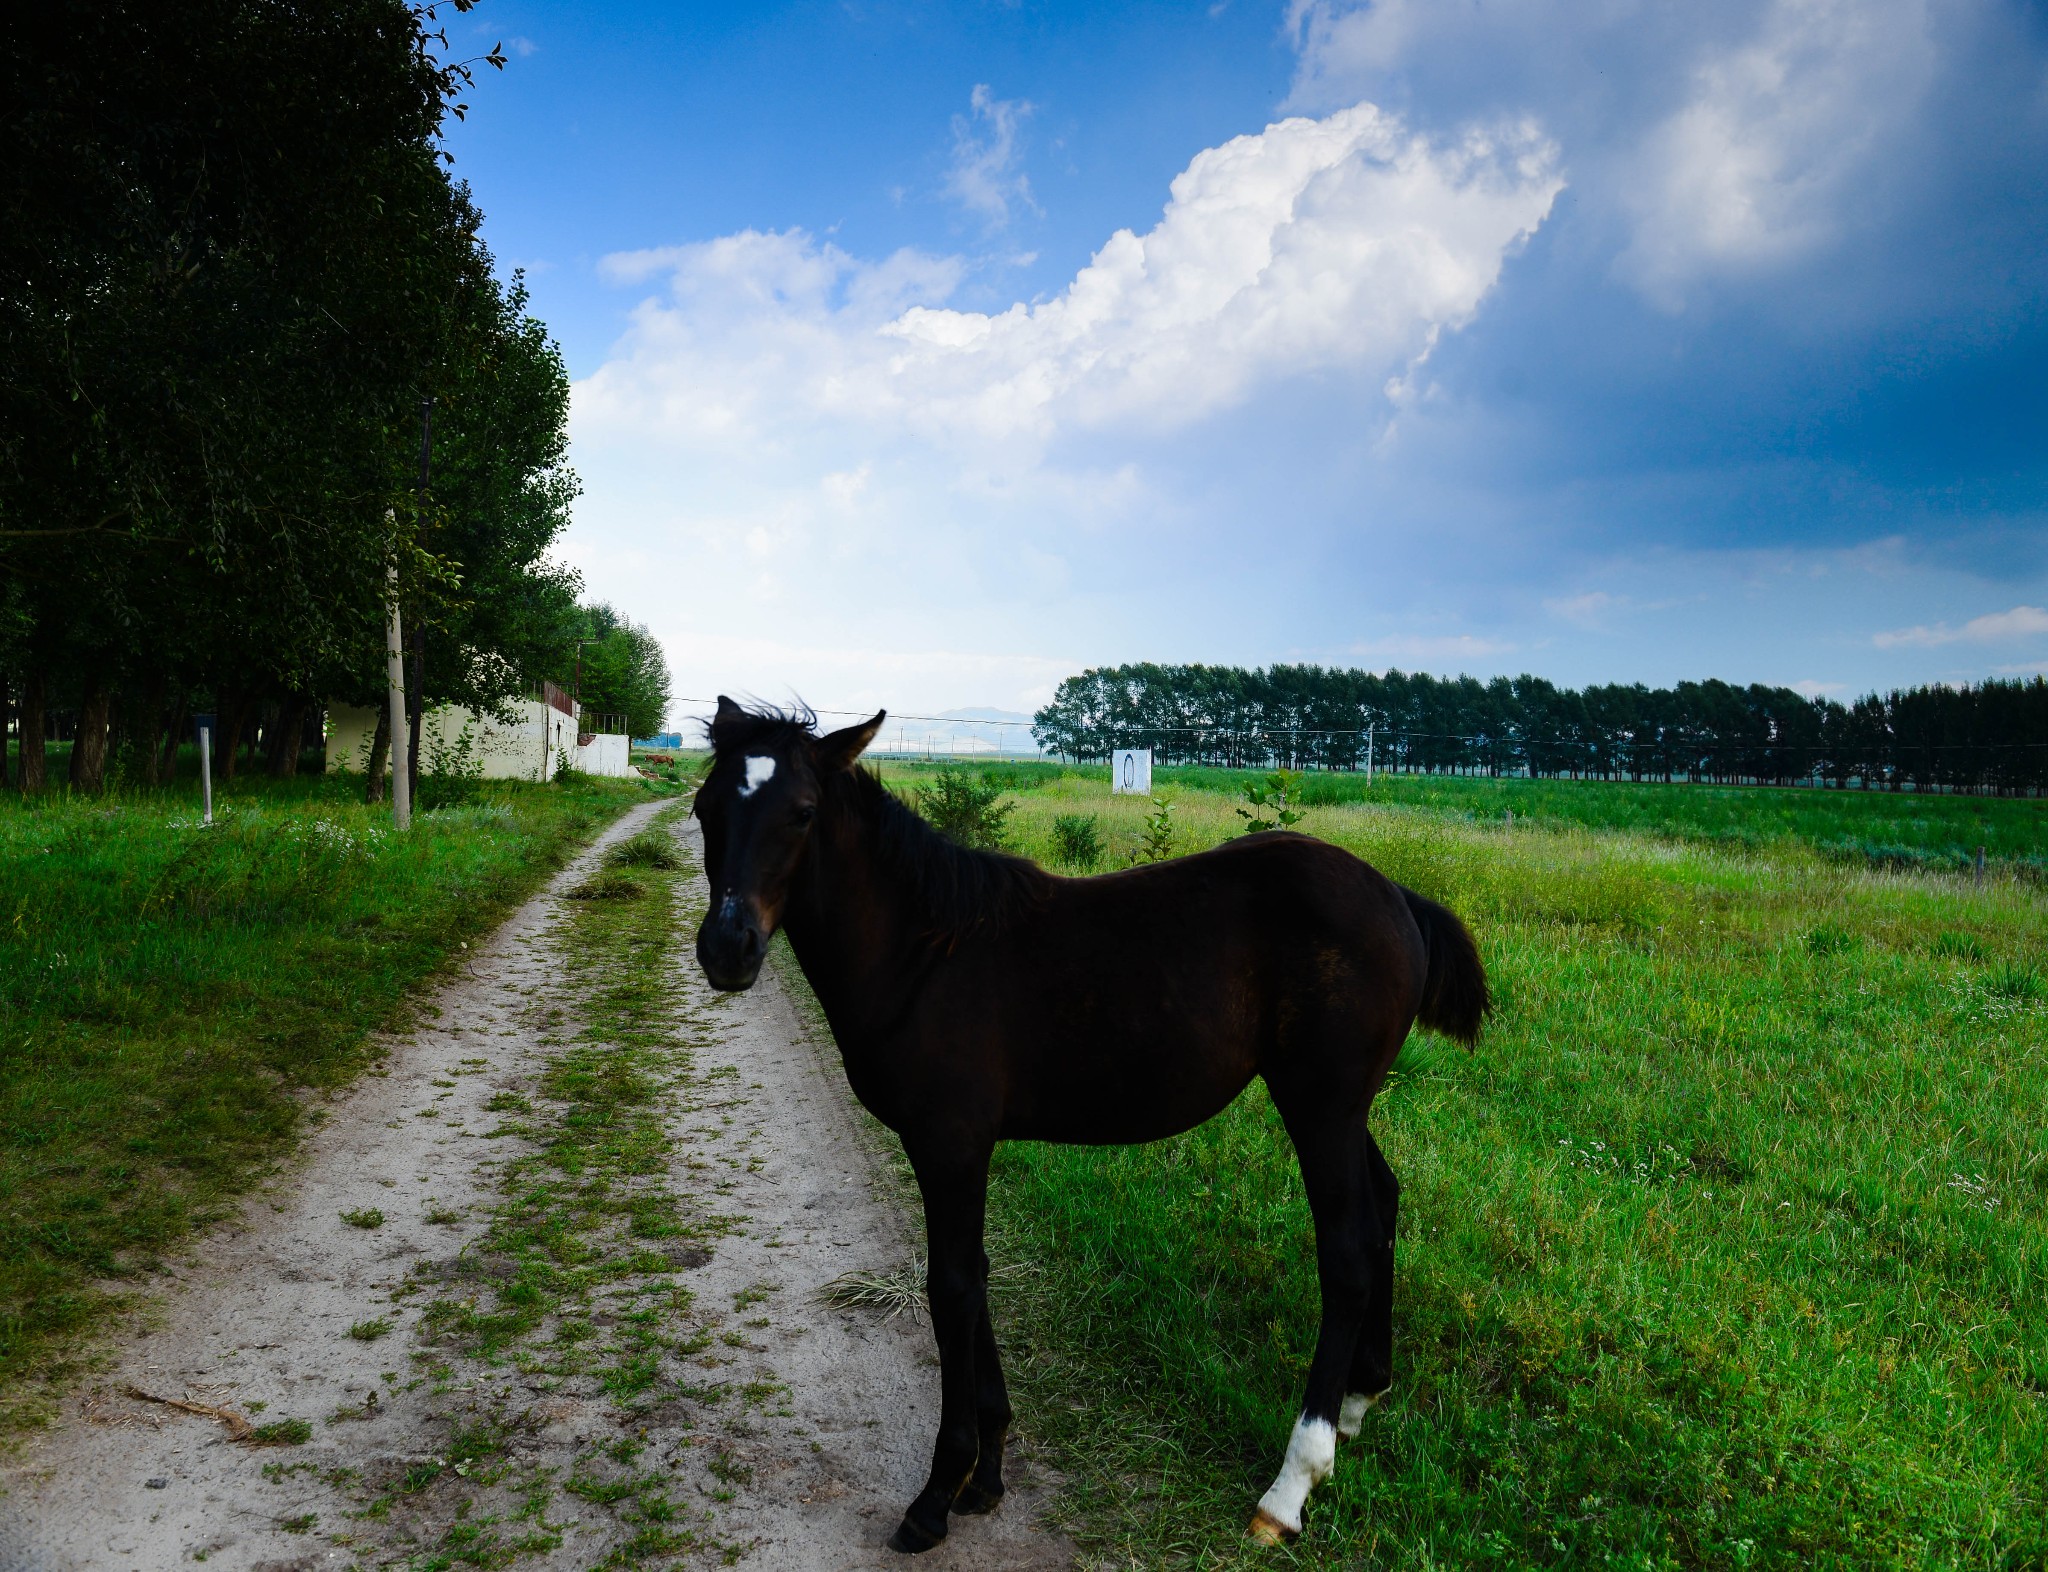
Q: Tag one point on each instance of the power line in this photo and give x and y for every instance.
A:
(1393, 731)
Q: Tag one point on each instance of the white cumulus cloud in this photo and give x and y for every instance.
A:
(984, 176)
(1768, 158)
(1342, 243)
(1704, 141)
(2019, 623)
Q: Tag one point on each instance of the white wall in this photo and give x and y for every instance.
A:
(526, 750)
(607, 753)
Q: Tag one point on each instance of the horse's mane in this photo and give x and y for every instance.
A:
(957, 889)
(762, 728)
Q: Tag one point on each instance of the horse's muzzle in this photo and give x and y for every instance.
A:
(730, 948)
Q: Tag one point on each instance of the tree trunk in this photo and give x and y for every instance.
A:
(33, 763)
(263, 740)
(284, 742)
(380, 757)
(234, 715)
(166, 743)
(145, 726)
(89, 747)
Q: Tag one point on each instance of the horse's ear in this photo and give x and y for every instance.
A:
(728, 712)
(839, 749)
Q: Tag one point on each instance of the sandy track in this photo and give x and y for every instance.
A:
(259, 1322)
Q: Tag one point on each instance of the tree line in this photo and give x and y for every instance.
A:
(1991, 737)
(260, 373)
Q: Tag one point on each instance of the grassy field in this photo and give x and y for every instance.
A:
(1727, 1248)
(1898, 829)
(168, 993)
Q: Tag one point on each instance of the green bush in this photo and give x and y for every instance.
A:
(1277, 792)
(454, 771)
(967, 810)
(1076, 842)
(1159, 833)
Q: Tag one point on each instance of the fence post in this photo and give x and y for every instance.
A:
(206, 774)
(1980, 867)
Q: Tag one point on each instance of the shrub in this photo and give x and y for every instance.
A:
(1076, 843)
(967, 810)
(1275, 792)
(1159, 834)
(454, 771)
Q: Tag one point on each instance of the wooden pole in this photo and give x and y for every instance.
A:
(394, 668)
(206, 774)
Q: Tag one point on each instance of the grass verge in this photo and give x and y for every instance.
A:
(170, 993)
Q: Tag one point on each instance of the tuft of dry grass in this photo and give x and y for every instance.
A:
(893, 1292)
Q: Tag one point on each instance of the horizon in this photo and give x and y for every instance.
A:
(1636, 349)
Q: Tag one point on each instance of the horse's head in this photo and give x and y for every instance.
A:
(768, 773)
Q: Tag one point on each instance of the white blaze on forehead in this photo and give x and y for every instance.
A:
(1311, 1454)
(760, 771)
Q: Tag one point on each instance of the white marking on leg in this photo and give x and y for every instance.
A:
(1311, 1454)
(1351, 1414)
(760, 771)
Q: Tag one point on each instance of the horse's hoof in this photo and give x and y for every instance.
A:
(912, 1540)
(1267, 1529)
(973, 1500)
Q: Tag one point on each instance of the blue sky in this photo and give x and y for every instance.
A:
(927, 353)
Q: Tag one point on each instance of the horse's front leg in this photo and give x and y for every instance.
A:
(991, 1415)
(955, 1190)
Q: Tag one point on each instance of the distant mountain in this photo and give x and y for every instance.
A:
(983, 713)
(975, 731)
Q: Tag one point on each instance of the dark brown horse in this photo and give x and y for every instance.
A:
(977, 998)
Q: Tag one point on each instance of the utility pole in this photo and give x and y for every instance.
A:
(419, 631)
(1368, 755)
(394, 672)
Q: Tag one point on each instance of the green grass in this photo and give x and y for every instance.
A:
(1902, 829)
(169, 994)
(1726, 1248)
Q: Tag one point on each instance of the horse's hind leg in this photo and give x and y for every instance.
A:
(1337, 1177)
(1372, 1365)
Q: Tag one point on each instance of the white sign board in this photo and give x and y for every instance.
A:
(1130, 771)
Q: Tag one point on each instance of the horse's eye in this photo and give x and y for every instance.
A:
(806, 813)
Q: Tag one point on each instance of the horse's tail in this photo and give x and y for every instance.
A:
(1454, 996)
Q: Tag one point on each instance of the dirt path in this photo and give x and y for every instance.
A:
(760, 1425)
